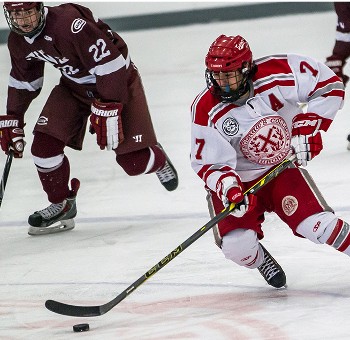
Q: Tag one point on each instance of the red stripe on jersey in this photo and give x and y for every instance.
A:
(208, 172)
(324, 83)
(335, 93)
(222, 112)
(274, 83)
(203, 103)
(203, 170)
(336, 231)
(273, 66)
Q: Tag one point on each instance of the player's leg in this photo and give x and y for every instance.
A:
(241, 245)
(305, 210)
(56, 128)
(326, 228)
(53, 170)
(140, 153)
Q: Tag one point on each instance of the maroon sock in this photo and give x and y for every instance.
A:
(135, 163)
(159, 159)
(55, 182)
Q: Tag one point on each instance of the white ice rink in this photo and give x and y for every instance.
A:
(126, 225)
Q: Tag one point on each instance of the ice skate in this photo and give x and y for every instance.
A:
(167, 175)
(57, 217)
(271, 271)
(348, 139)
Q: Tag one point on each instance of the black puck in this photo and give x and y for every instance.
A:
(82, 327)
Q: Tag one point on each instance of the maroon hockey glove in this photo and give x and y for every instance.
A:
(337, 66)
(306, 137)
(11, 135)
(106, 122)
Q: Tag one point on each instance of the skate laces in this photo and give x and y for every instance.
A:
(268, 267)
(165, 174)
(52, 210)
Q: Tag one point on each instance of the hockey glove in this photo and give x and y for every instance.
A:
(306, 136)
(337, 66)
(230, 190)
(106, 123)
(11, 135)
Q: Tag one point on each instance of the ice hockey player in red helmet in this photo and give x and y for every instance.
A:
(99, 83)
(224, 56)
(246, 121)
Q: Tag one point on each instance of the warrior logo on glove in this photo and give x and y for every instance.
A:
(11, 135)
(106, 122)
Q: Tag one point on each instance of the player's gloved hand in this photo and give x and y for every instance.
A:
(248, 203)
(306, 136)
(230, 190)
(106, 122)
(337, 65)
(11, 135)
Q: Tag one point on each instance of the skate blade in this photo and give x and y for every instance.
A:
(64, 225)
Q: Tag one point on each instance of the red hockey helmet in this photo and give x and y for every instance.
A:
(228, 54)
(24, 6)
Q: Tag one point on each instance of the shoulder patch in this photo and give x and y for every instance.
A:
(77, 25)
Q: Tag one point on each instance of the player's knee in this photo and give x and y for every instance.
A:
(45, 146)
(327, 228)
(47, 151)
(134, 163)
(142, 161)
(242, 247)
(318, 227)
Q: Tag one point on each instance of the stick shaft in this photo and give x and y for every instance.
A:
(87, 311)
(5, 175)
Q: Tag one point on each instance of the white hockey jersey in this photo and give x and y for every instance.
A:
(250, 138)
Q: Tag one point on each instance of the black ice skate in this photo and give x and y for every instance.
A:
(167, 175)
(348, 139)
(271, 271)
(56, 217)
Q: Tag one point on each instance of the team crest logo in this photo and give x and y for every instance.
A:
(230, 126)
(42, 120)
(289, 205)
(267, 142)
(77, 25)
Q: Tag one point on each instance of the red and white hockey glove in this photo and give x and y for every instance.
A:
(306, 136)
(337, 65)
(230, 190)
(106, 122)
(11, 135)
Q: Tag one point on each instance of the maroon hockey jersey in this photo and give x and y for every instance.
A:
(83, 48)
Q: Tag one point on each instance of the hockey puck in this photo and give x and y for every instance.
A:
(82, 327)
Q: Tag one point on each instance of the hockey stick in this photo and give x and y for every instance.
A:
(5, 175)
(87, 311)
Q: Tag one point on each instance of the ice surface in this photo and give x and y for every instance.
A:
(126, 225)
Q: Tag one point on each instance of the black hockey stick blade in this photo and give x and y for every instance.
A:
(88, 311)
(5, 175)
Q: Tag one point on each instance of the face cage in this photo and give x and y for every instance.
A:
(230, 96)
(15, 28)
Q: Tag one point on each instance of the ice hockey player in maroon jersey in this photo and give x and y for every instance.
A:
(341, 49)
(99, 83)
(247, 120)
